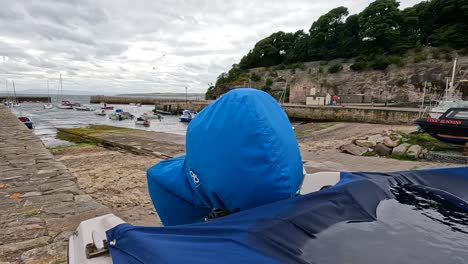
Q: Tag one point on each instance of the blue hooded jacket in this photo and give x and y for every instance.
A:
(241, 152)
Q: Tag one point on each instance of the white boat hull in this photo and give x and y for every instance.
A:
(48, 106)
(65, 106)
(84, 235)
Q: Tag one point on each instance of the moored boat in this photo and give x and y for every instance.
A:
(48, 106)
(120, 115)
(100, 113)
(150, 115)
(84, 108)
(65, 105)
(104, 106)
(142, 121)
(187, 116)
(451, 127)
(26, 121)
(162, 112)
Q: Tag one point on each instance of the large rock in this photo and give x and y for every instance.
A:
(389, 142)
(414, 151)
(382, 150)
(376, 138)
(353, 149)
(365, 143)
(401, 149)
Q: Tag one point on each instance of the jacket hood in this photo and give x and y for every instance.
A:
(241, 152)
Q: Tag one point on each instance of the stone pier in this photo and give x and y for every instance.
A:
(40, 202)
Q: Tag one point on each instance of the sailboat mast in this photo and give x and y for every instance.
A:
(14, 90)
(61, 88)
(452, 82)
(8, 92)
(48, 93)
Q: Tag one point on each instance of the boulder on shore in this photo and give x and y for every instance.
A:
(414, 151)
(353, 149)
(389, 142)
(376, 138)
(401, 149)
(382, 150)
(365, 143)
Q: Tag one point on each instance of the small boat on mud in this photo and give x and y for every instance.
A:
(451, 127)
(48, 106)
(26, 121)
(104, 106)
(162, 112)
(187, 116)
(120, 115)
(142, 121)
(65, 105)
(84, 108)
(100, 113)
(150, 115)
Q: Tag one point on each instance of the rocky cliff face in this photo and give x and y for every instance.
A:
(402, 84)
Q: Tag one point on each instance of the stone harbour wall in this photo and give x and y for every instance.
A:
(40, 202)
(377, 115)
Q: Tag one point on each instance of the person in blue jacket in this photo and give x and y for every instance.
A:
(241, 153)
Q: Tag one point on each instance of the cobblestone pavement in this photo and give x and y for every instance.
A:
(40, 203)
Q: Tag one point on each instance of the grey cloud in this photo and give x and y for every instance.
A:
(113, 45)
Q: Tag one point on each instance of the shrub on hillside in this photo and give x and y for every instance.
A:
(279, 67)
(418, 48)
(397, 60)
(380, 63)
(464, 51)
(419, 57)
(254, 77)
(268, 82)
(446, 49)
(448, 57)
(337, 67)
(400, 82)
(436, 54)
(358, 66)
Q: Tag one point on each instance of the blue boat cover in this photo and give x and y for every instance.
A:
(400, 217)
(241, 152)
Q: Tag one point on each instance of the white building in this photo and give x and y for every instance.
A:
(318, 98)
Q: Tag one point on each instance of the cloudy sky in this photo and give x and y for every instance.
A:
(113, 46)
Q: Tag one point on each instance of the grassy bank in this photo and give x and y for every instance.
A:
(309, 128)
(87, 135)
(71, 147)
(428, 142)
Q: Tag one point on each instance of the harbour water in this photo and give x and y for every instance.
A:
(46, 121)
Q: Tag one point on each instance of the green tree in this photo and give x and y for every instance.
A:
(380, 23)
(328, 35)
